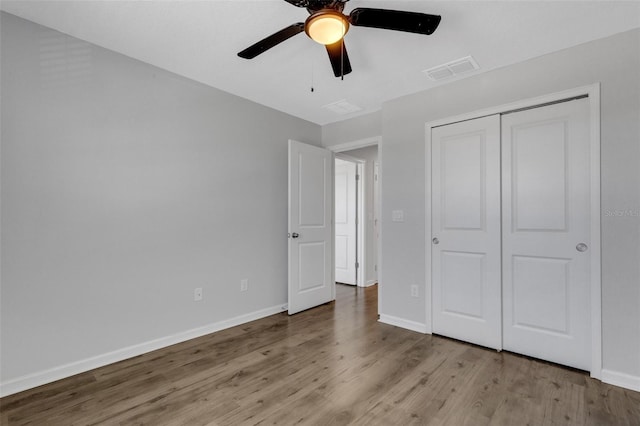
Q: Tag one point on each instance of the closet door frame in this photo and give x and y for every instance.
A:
(593, 94)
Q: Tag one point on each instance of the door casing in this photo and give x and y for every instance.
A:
(593, 94)
(339, 150)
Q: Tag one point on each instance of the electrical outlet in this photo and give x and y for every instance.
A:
(244, 285)
(197, 294)
(414, 291)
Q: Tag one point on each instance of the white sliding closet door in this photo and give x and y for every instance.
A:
(466, 231)
(546, 228)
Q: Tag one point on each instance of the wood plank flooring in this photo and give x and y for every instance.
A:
(332, 365)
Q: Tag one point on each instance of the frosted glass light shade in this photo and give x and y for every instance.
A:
(326, 27)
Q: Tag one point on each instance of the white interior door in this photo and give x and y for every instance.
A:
(345, 221)
(546, 228)
(310, 226)
(466, 231)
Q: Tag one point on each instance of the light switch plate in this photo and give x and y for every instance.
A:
(397, 216)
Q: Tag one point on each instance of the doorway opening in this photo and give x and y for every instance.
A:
(357, 199)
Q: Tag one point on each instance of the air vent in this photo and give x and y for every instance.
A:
(342, 107)
(453, 68)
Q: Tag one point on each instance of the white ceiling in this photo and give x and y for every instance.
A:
(200, 40)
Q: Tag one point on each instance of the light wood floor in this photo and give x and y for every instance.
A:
(331, 365)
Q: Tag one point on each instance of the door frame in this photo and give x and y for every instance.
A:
(593, 93)
(362, 143)
(376, 215)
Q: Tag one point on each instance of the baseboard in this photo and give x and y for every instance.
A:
(51, 375)
(621, 379)
(370, 283)
(404, 323)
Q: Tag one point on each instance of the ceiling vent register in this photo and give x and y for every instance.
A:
(342, 107)
(451, 69)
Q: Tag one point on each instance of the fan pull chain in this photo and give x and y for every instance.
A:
(312, 68)
(342, 59)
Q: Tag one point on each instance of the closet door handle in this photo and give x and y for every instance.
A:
(582, 247)
(435, 241)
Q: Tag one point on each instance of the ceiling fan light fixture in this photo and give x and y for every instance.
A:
(326, 26)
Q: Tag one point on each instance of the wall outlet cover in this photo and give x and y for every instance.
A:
(414, 291)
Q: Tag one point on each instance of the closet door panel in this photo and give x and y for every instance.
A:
(466, 231)
(546, 228)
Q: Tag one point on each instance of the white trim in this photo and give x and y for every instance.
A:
(403, 323)
(360, 143)
(333, 227)
(377, 206)
(596, 253)
(361, 250)
(593, 89)
(621, 379)
(369, 283)
(593, 93)
(380, 227)
(427, 219)
(39, 378)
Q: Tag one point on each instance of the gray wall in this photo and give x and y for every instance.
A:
(124, 187)
(615, 63)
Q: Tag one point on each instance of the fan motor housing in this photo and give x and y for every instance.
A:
(317, 5)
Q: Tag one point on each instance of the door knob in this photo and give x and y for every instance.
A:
(435, 241)
(582, 247)
(295, 235)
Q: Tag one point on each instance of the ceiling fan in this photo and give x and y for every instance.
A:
(327, 25)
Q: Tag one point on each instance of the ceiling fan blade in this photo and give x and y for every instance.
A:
(412, 22)
(271, 41)
(318, 4)
(299, 3)
(339, 58)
